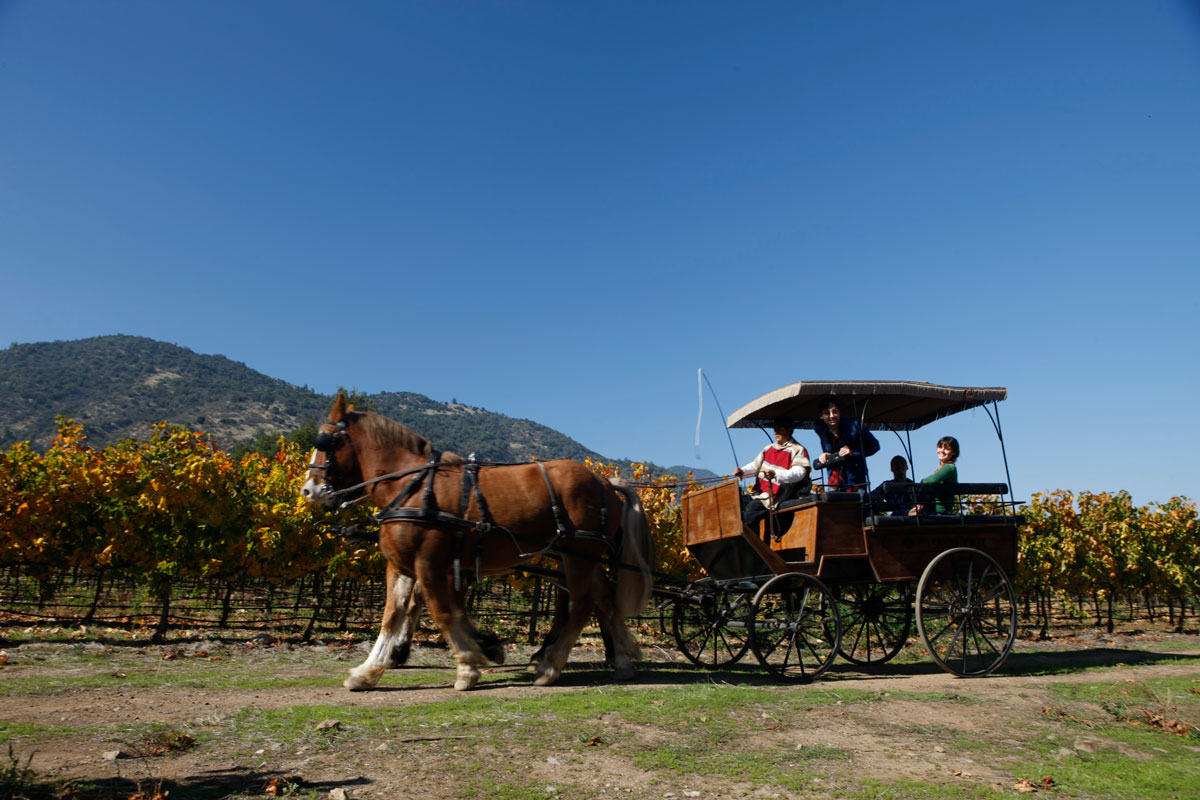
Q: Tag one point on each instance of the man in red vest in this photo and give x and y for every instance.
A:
(781, 471)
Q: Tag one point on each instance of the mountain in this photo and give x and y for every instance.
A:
(117, 387)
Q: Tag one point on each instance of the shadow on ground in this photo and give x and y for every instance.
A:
(205, 785)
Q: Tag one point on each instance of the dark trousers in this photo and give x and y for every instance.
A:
(754, 510)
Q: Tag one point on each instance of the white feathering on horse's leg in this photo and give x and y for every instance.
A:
(363, 677)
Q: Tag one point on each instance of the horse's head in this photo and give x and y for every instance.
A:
(334, 464)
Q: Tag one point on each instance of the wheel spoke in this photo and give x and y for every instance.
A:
(966, 612)
(708, 627)
(875, 622)
(794, 627)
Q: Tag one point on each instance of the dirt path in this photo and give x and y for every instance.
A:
(912, 735)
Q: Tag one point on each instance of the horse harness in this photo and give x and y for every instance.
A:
(429, 514)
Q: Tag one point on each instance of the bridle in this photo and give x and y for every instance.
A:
(330, 439)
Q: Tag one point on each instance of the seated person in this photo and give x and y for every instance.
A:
(781, 471)
(846, 440)
(896, 495)
(947, 472)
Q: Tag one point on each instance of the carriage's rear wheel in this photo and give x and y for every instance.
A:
(712, 625)
(966, 612)
(795, 627)
(876, 621)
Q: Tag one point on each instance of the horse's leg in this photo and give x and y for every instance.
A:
(489, 643)
(581, 577)
(561, 599)
(621, 650)
(400, 612)
(408, 626)
(451, 618)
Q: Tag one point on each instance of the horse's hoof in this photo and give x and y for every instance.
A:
(467, 678)
(546, 678)
(625, 674)
(361, 681)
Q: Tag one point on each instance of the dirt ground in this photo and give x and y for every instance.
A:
(902, 738)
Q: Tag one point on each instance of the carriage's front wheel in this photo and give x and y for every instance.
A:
(876, 621)
(966, 612)
(795, 627)
(712, 624)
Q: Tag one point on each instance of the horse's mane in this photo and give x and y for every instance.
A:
(387, 432)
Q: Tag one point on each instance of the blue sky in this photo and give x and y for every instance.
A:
(560, 211)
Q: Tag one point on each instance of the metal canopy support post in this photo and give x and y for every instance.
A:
(995, 418)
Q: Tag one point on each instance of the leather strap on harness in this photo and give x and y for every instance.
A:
(429, 514)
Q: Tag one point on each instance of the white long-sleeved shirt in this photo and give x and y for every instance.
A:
(799, 470)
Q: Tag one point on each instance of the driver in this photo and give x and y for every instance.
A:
(847, 440)
(784, 463)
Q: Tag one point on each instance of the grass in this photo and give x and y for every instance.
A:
(685, 732)
(31, 732)
(905, 789)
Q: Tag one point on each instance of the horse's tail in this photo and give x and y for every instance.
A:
(635, 580)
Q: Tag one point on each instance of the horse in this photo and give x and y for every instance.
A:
(506, 515)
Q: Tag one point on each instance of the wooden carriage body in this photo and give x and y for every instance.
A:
(830, 537)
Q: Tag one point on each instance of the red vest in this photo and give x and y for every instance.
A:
(776, 458)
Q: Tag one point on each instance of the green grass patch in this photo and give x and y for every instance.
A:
(702, 758)
(1170, 705)
(564, 717)
(188, 677)
(918, 790)
(1126, 765)
(30, 732)
(508, 790)
(935, 697)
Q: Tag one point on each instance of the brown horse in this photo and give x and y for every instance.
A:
(442, 517)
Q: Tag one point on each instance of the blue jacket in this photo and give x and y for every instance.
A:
(862, 443)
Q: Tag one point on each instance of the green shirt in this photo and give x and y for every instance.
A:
(946, 473)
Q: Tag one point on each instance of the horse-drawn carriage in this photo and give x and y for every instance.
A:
(838, 578)
(832, 573)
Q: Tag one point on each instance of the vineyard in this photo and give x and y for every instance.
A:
(173, 532)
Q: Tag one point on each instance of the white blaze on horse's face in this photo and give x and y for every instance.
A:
(314, 491)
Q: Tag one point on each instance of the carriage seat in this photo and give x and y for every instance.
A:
(823, 497)
(927, 494)
(941, 520)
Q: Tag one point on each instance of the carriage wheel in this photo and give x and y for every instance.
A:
(876, 621)
(712, 625)
(966, 612)
(795, 627)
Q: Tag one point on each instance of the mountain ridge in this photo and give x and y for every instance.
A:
(119, 386)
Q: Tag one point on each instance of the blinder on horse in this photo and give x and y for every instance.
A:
(330, 439)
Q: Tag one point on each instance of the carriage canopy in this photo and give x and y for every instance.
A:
(882, 405)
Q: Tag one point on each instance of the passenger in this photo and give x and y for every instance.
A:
(846, 440)
(782, 472)
(895, 495)
(946, 473)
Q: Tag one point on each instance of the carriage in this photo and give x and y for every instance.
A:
(832, 573)
(829, 573)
